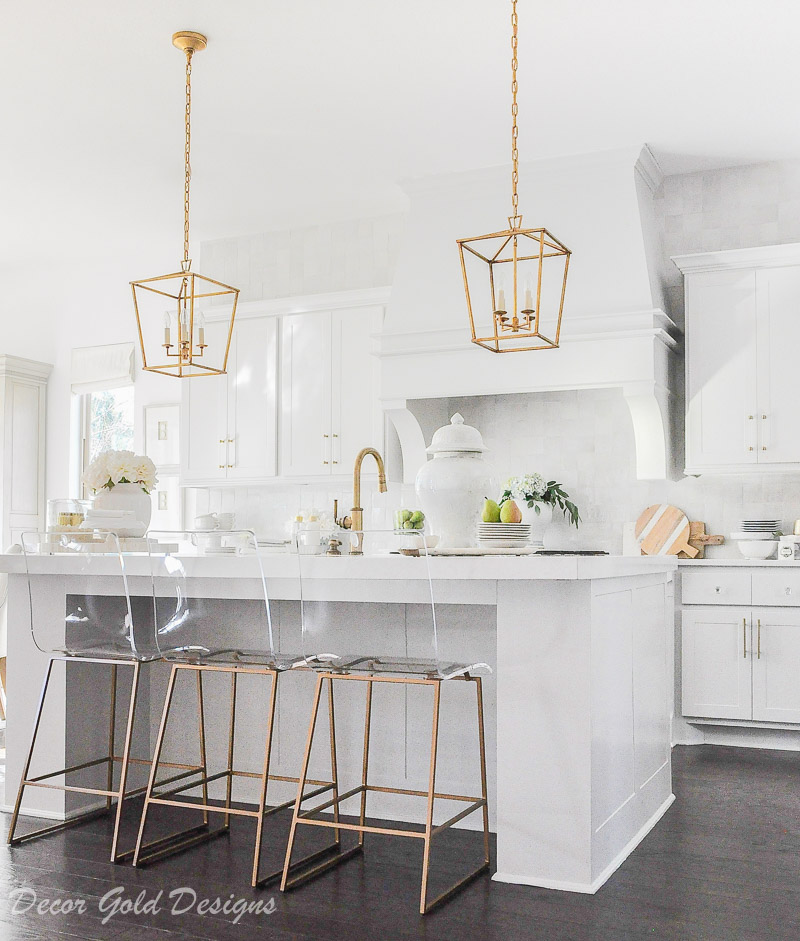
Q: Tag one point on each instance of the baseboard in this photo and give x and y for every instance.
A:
(52, 814)
(589, 888)
(631, 845)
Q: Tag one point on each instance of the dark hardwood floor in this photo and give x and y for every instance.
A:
(723, 865)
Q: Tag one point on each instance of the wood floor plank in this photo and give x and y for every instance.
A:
(723, 865)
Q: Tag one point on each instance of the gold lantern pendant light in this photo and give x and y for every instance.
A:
(170, 308)
(518, 307)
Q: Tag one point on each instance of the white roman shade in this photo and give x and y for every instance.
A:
(101, 367)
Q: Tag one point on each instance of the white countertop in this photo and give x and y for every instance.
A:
(284, 565)
(740, 563)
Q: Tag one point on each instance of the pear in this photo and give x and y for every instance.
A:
(491, 512)
(510, 512)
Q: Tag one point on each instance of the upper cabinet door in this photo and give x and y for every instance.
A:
(357, 419)
(204, 405)
(305, 408)
(721, 366)
(778, 298)
(251, 451)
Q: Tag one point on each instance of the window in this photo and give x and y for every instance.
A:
(106, 422)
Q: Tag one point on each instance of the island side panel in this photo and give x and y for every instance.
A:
(544, 733)
(631, 768)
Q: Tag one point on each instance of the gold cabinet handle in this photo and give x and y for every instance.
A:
(759, 639)
(324, 439)
(744, 638)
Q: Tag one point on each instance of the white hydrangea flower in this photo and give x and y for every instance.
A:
(111, 467)
(527, 487)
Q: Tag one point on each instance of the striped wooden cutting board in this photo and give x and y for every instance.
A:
(664, 530)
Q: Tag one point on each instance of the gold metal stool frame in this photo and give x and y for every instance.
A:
(171, 797)
(125, 760)
(309, 817)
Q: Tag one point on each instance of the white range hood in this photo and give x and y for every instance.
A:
(615, 332)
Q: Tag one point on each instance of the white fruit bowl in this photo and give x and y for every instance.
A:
(758, 548)
(416, 539)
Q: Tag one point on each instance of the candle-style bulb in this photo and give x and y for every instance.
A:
(201, 329)
(167, 341)
(528, 294)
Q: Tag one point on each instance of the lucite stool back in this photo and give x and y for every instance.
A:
(193, 626)
(338, 615)
(102, 617)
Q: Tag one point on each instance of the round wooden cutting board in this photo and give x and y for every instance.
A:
(664, 530)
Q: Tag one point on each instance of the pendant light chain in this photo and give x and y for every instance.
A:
(188, 169)
(516, 219)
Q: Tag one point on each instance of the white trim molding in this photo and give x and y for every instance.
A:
(766, 256)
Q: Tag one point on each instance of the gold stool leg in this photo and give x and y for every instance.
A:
(126, 754)
(334, 766)
(302, 781)
(27, 768)
(112, 730)
(231, 740)
(437, 692)
(262, 801)
(201, 727)
(156, 759)
(484, 790)
(365, 762)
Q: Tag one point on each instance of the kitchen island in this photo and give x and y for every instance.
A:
(577, 710)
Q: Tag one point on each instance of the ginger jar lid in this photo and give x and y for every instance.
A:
(456, 437)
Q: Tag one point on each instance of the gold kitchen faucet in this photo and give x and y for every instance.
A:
(355, 521)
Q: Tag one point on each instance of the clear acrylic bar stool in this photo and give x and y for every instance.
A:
(339, 641)
(97, 627)
(200, 636)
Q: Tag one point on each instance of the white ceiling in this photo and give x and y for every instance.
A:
(311, 111)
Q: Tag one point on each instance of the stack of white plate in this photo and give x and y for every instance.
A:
(756, 538)
(504, 535)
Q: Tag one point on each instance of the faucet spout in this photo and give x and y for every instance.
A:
(357, 512)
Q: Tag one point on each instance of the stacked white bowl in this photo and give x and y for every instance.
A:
(504, 535)
(757, 538)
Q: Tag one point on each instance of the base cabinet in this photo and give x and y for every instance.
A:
(717, 681)
(776, 664)
(742, 661)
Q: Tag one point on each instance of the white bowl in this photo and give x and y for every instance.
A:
(757, 548)
(415, 539)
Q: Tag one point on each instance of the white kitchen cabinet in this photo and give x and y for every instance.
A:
(229, 422)
(23, 397)
(776, 664)
(741, 644)
(742, 329)
(329, 391)
(716, 650)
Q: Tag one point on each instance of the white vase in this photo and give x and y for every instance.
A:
(127, 497)
(538, 522)
(452, 487)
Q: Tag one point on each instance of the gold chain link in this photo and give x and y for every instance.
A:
(514, 112)
(188, 167)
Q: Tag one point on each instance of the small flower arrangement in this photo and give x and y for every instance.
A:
(120, 467)
(533, 490)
